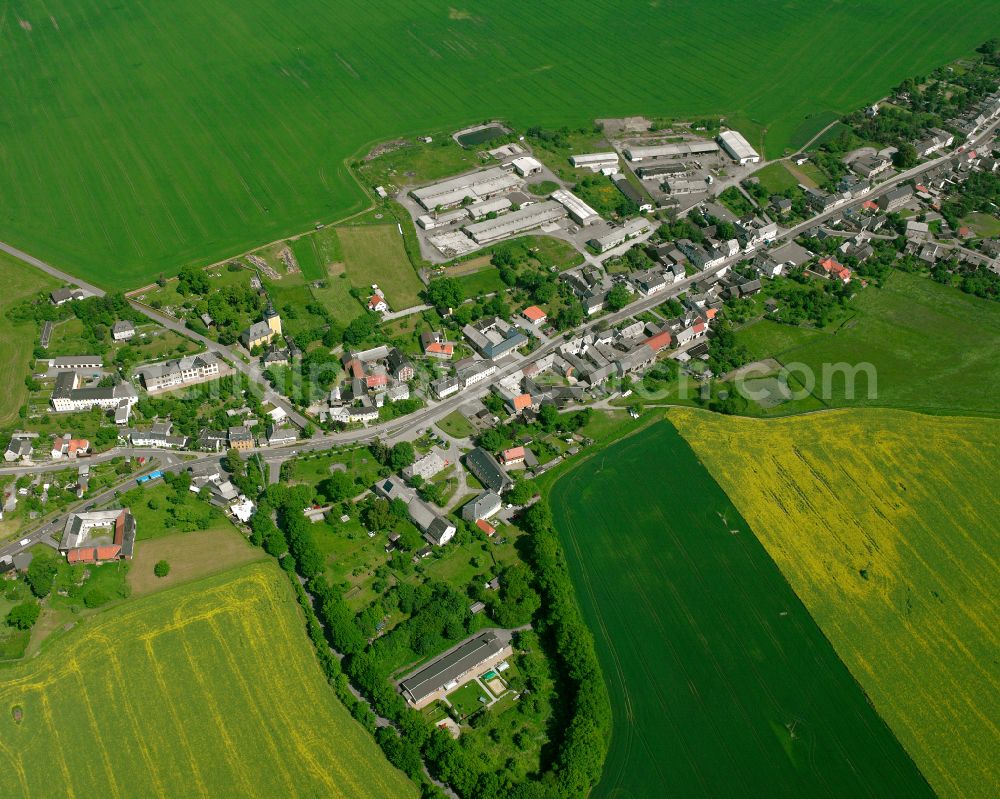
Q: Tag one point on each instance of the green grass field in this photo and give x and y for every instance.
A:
(933, 348)
(776, 178)
(17, 341)
(374, 254)
(718, 675)
(208, 689)
(884, 523)
(138, 138)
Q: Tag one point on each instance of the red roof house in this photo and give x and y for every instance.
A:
(512, 455)
(522, 401)
(836, 269)
(660, 341)
(486, 527)
(534, 314)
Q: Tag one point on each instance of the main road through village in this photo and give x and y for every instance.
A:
(397, 429)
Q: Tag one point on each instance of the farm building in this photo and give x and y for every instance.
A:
(480, 185)
(98, 536)
(738, 147)
(678, 150)
(515, 222)
(486, 469)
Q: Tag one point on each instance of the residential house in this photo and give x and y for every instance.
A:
(535, 315)
(21, 447)
(435, 345)
(445, 387)
(240, 438)
(399, 366)
(895, 198)
(122, 330)
(426, 466)
(182, 372)
(482, 507)
(63, 295)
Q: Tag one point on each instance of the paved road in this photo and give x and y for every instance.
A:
(251, 370)
(437, 410)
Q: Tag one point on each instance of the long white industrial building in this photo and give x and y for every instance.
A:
(738, 147)
(515, 222)
(678, 150)
(480, 185)
(595, 162)
(578, 210)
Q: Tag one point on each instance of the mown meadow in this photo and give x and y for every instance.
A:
(141, 137)
(720, 680)
(885, 524)
(207, 689)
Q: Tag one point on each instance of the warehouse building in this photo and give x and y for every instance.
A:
(632, 228)
(676, 186)
(516, 222)
(526, 165)
(578, 210)
(480, 185)
(483, 208)
(738, 147)
(661, 171)
(686, 149)
(632, 193)
(596, 162)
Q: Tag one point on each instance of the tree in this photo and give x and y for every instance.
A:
(23, 616)
(41, 573)
(402, 456)
(617, 298)
(522, 492)
(548, 416)
(161, 569)
(444, 293)
(492, 440)
(905, 156)
(337, 487)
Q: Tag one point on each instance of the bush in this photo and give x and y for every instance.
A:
(23, 616)
(161, 569)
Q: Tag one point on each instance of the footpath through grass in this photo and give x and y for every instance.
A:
(885, 524)
(718, 675)
(209, 689)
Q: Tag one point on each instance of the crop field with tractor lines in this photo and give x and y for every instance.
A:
(885, 524)
(207, 689)
(142, 137)
(718, 676)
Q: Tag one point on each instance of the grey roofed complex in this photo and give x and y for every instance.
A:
(671, 150)
(633, 227)
(486, 469)
(440, 673)
(516, 222)
(481, 185)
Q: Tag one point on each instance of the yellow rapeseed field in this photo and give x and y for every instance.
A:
(205, 690)
(887, 526)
